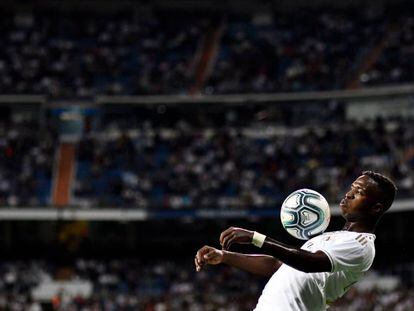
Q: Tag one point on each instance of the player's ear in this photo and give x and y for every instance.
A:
(378, 208)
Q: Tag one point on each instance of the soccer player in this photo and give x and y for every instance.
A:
(326, 266)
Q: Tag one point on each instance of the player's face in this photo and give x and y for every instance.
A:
(361, 199)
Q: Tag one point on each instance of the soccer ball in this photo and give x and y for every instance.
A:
(305, 213)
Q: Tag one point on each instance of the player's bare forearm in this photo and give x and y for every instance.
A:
(298, 258)
(263, 265)
(293, 256)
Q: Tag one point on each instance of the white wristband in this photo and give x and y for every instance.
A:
(258, 239)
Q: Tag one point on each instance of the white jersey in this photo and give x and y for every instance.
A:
(350, 253)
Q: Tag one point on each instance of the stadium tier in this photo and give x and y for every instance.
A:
(227, 166)
(83, 54)
(134, 285)
(393, 65)
(280, 54)
(214, 157)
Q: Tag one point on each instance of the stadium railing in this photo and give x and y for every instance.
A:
(132, 214)
(367, 93)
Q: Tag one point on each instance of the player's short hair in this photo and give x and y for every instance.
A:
(387, 187)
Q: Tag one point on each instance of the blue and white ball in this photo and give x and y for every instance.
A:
(305, 213)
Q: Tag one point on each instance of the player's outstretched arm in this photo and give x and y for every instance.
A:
(263, 265)
(293, 256)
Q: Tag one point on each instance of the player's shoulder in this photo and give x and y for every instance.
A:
(356, 239)
(362, 238)
(359, 241)
(353, 247)
(351, 234)
(347, 237)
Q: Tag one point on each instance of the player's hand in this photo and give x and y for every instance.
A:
(235, 235)
(208, 255)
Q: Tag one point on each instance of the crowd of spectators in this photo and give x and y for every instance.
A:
(303, 51)
(82, 54)
(254, 165)
(241, 162)
(27, 152)
(163, 286)
(394, 64)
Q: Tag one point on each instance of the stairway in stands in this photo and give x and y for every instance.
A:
(64, 173)
(206, 57)
(370, 59)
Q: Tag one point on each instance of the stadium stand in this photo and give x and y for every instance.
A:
(255, 165)
(394, 65)
(137, 159)
(134, 285)
(80, 54)
(26, 160)
(276, 53)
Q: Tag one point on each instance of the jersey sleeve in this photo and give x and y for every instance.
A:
(355, 253)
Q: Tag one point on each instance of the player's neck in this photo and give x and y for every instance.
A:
(360, 227)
